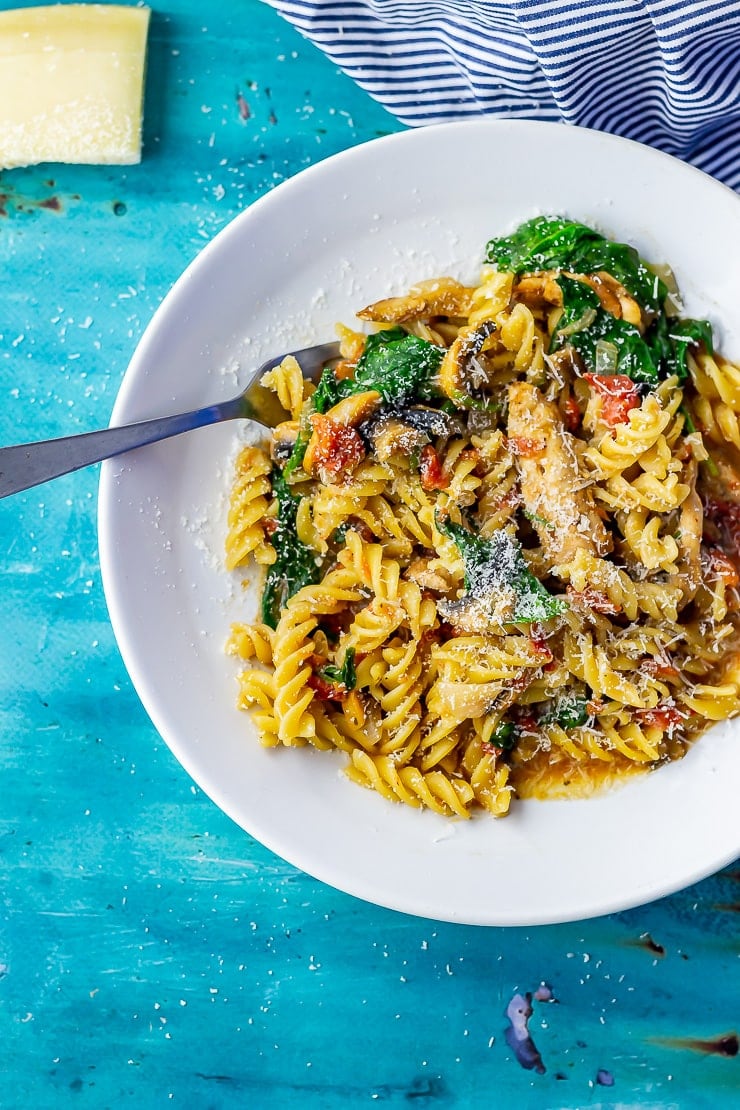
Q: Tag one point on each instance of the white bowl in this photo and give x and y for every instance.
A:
(359, 226)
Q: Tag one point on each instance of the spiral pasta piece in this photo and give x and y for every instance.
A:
(251, 641)
(491, 297)
(643, 535)
(287, 381)
(334, 505)
(257, 694)
(716, 377)
(621, 448)
(248, 509)
(718, 421)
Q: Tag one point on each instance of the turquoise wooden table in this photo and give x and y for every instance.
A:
(150, 951)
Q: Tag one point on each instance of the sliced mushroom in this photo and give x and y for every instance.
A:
(462, 373)
(392, 436)
(539, 289)
(479, 616)
(403, 430)
(427, 576)
(421, 418)
(439, 297)
(356, 408)
(344, 417)
(283, 440)
(542, 289)
(614, 297)
(432, 421)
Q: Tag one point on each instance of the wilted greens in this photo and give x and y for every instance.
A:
(346, 675)
(295, 565)
(569, 711)
(546, 243)
(398, 365)
(496, 564)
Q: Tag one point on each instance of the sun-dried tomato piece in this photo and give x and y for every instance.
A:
(339, 447)
(527, 721)
(723, 566)
(430, 470)
(662, 716)
(449, 631)
(541, 646)
(659, 669)
(619, 395)
(527, 447)
(572, 415)
(594, 599)
(327, 691)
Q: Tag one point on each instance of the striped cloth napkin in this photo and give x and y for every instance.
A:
(664, 72)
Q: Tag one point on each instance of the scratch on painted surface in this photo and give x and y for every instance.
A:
(518, 1036)
(726, 1044)
(242, 106)
(646, 941)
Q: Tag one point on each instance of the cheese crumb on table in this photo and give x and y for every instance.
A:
(72, 84)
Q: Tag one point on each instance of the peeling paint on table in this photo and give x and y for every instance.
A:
(150, 951)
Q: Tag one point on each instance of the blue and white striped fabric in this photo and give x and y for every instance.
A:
(664, 72)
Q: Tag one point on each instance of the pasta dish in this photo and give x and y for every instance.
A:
(500, 535)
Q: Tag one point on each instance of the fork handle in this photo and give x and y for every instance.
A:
(29, 464)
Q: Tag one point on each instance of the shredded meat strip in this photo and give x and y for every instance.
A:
(561, 508)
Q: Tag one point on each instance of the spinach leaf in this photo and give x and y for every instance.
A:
(548, 243)
(297, 454)
(658, 354)
(346, 675)
(580, 308)
(330, 391)
(496, 564)
(302, 439)
(295, 565)
(634, 356)
(570, 711)
(505, 735)
(687, 419)
(399, 366)
(671, 338)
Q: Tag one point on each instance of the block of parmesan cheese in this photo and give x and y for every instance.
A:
(72, 84)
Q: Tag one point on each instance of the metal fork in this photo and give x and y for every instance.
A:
(29, 464)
